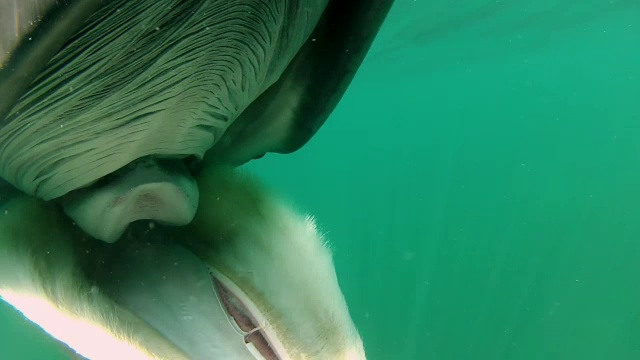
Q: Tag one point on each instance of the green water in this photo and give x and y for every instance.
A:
(480, 184)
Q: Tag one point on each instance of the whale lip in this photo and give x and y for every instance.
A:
(148, 189)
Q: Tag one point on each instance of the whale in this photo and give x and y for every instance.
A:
(128, 224)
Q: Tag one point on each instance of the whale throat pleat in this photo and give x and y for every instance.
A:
(147, 78)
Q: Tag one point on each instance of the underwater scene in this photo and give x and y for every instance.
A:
(477, 187)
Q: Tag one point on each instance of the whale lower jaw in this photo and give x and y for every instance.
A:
(194, 306)
(247, 279)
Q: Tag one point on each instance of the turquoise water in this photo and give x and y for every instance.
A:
(479, 184)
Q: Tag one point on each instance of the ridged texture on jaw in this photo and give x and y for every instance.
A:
(147, 78)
